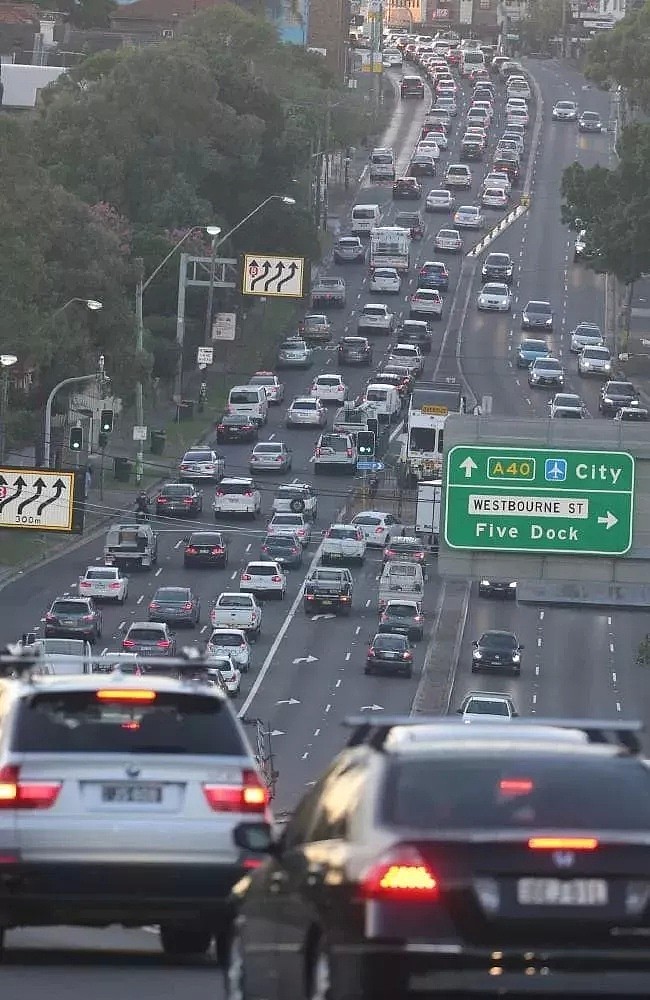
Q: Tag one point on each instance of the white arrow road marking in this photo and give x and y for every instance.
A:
(277, 732)
(288, 701)
(609, 521)
(371, 708)
(468, 465)
(306, 659)
(322, 618)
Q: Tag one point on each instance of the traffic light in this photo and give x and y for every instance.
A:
(106, 421)
(366, 444)
(76, 438)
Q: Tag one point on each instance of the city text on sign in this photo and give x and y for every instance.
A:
(561, 501)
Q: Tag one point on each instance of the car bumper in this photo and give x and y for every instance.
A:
(497, 590)
(40, 894)
(173, 510)
(234, 511)
(294, 362)
(187, 618)
(69, 632)
(322, 601)
(193, 476)
(507, 665)
(389, 666)
(354, 359)
(204, 559)
(541, 382)
(268, 467)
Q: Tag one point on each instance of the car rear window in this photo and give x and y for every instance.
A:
(234, 601)
(235, 489)
(70, 607)
(100, 574)
(342, 533)
(173, 723)
(522, 792)
(176, 491)
(198, 456)
(244, 396)
(147, 633)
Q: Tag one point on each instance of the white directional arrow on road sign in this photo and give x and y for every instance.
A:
(609, 521)
(371, 708)
(288, 701)
(306, 659)
(468, 465)
(322, 618)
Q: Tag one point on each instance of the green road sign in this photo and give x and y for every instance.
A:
(543, 500)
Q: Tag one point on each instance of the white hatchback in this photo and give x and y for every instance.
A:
(264, 579)
(290, 524)
(237, 496)
(377, 527)
(104, 583)
(230, 642)
(306, 411)
(494, 297)
(385, 279)
(329, 389)
(229, 674)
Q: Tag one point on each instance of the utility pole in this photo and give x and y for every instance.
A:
(139, 346)
(207, 335)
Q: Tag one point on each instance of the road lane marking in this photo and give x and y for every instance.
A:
(140, 599)
(158, 571)
(327, 708)
(178, 543)
(316, 732)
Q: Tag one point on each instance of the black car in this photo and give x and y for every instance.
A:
(452, 854)
(416, 331)
(615, 395)
(497, 649)
(205, 548)
(498, 588)
(403, 618)
(178, 500)
(411, 221)
(175, 606)
(284, 549)
(471, 149)
(422, 165)
(407, 188)
(236, 427)
(354, 351)
(497, 267)
(389, 653)
(73, 618)
(433, 274)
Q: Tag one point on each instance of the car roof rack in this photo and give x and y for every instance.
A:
(375, 732)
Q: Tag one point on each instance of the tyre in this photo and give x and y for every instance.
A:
(184, 940)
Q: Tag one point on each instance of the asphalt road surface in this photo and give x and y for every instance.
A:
(578, 661)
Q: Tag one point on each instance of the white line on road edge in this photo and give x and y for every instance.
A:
(455, 656)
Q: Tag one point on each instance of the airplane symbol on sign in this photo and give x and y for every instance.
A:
(555, 470)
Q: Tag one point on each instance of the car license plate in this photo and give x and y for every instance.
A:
(326, 602)
(146, 794)
(562, 892)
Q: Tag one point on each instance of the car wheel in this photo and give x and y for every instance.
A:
(180, 940)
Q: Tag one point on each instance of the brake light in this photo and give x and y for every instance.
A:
(515, 786)
(249, 797)
(88, 618)
(221, 427)
(390, 552)
(219, 493)
(278, 458)
(349, 452)
(125, 694)
(164, 643)
(371, 650)
(128, 643)
(265, 548)
(49, 617)
(217, 551)
(407, 656)
(563, 843)
(318, 452)
(191, 551)
(153, 605)
(114, 586)
(17, 794)
(402, 873)
(161, 500)
(187, 606)
(276, 579)
(245, 576)
(378, 530)
(84, 583)
(187, 499)
(248, 493)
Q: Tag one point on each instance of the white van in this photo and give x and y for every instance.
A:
(385, 399)
(251, 400)
(382, 164)
(365, 218)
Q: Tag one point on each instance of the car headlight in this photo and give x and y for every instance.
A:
(534, 377)
(476, 655)
(513, 584)
(524, 319)
(485, 583)
(560, 379)
(585, 364)
(606, 399)
(607, 367)
(516, 657)
(549, 321)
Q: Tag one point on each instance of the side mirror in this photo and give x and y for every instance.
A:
(256, 837)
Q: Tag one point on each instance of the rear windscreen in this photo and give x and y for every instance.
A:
(549, 793)
(242, 396)
(77, 722)
(363, 213)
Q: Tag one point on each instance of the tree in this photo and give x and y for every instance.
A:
(543, 22)
(623, 55)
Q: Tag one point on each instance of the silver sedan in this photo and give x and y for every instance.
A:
(306, 411)
(270, 456)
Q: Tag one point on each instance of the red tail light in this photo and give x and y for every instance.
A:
(245, 576)
(217, 551)
(349, 452)
(378, 530)
(17, 794)
(249, 797)
(318, 452)
(114, 586)
(49, 617)
(265, 548)
(191, 551)
(163, 643)
(401, 874)
(128, 643)
(221, 427)
(187, 499)
(219, 493)
(276, 579)
(390, 552)
(161, 500)
(371, 650)
(248, 493)
(407, 656)
(85, 583)
(88, 618)
(153, 605)
(187, 606)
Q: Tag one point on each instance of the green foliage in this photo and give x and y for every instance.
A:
(614, 206)
(623, 55)
(544, 21)
(643, 653)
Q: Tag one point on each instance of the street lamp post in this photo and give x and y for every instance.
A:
(214, 232)
(93, 305)
(7, 361)
(140, 289)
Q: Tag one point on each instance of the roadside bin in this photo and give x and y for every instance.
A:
(122, 469)
(158, 441)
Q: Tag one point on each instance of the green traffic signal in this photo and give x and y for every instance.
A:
(366, 444)
(106, 421)
(76, 438)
